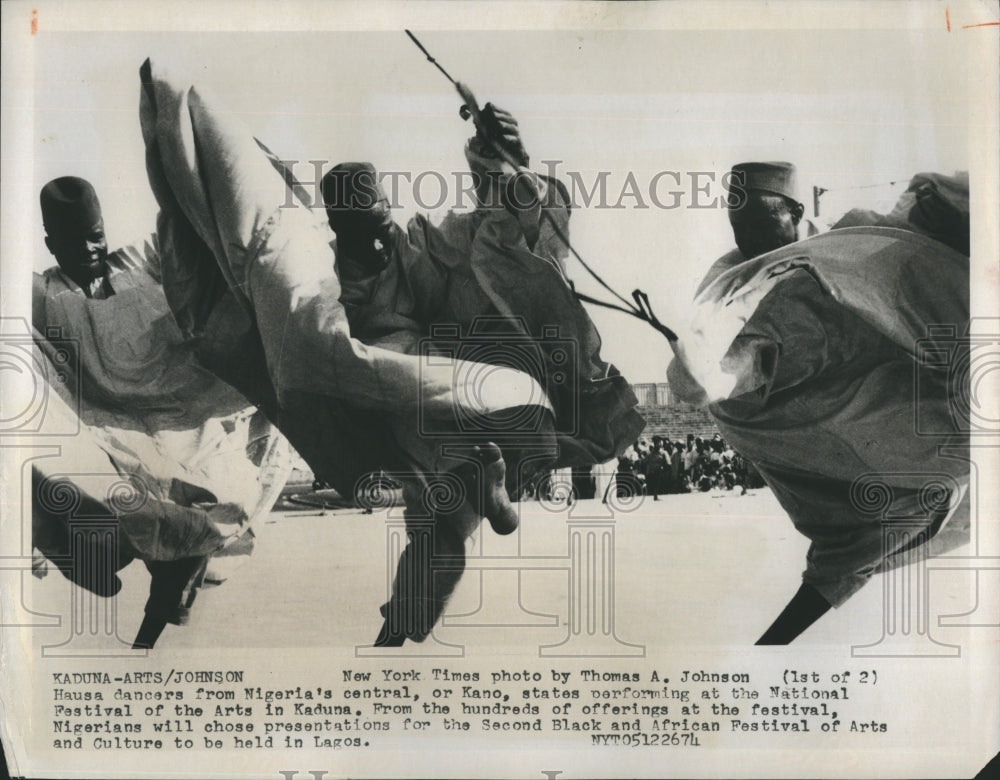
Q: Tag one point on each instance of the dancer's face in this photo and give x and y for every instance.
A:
(376, 218)
(82, 253)
(765, 222)
(357, 206)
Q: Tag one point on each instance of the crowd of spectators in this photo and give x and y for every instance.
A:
(648, 467)
(659, 466)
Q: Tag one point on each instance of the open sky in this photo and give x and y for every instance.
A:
(854, 109)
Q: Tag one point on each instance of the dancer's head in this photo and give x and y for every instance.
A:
(763, 210)
(74, 227)
(356, 206)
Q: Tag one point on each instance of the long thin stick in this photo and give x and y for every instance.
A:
(430, 59)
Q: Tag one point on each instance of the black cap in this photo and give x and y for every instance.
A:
(350, 187)
(69, 203)
(778, 178)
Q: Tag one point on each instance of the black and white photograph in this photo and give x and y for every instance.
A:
(502, 389)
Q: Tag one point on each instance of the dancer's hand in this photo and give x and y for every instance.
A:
(500, 127)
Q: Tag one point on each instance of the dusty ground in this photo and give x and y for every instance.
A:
(707, 569)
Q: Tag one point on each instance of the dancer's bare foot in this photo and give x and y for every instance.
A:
(496, 503)
(486, 488)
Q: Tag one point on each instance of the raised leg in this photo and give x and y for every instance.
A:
(172, 590)
(428, 571)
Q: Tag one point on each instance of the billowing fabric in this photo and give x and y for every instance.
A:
(255, 283)
(221, 214)
(251, 276)
(136, 371)
(164, 448)
(475, 278)
(729, 260)
(933, 205)
(734, 257)
(810, 360)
